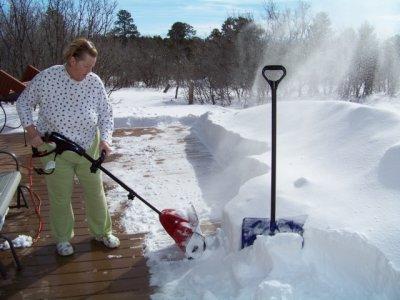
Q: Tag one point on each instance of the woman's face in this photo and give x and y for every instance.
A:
(79, 69)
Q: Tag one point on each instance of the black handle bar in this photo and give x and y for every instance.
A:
(273, 83)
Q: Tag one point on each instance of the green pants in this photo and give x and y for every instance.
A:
(60, 186)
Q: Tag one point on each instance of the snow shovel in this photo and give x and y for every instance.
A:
(183, 227)
(251, 227)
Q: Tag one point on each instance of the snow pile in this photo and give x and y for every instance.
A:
(21, 241)
(334, 161)
(337, 167)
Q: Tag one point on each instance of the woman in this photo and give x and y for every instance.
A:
(72, 101)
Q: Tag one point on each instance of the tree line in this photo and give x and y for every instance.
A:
(351, 64)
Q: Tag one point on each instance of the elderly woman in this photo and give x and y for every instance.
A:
(72, 101)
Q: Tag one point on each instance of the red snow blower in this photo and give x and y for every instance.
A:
(183, 228)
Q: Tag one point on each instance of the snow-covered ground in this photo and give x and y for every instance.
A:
(338, 166)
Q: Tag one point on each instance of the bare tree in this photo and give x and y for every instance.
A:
(57, 29)
(388, 75)
(18, 21)
(180, 40)
(364, 63)
(95, 17)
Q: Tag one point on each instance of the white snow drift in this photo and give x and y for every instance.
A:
(337, 168)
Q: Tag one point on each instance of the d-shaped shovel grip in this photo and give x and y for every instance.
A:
(273, 83)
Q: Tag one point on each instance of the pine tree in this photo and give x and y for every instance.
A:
(125, 27)
(181, 31)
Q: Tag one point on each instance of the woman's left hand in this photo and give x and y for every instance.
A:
(104, 146)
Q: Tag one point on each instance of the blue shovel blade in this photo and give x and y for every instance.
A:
(251, 227)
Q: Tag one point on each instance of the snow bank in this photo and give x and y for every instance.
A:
(338, 165)
(150, 107)
(328, 150)
(331, 265)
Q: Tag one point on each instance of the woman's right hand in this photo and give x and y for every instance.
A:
(34, 136)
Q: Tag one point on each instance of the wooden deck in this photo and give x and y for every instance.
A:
(93, 272)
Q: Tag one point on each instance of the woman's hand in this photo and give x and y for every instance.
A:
(34, 136)
(104, 146)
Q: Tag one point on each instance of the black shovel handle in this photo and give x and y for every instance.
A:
(274, 86)
(273, 83)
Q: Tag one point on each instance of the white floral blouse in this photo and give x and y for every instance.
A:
(73, 108)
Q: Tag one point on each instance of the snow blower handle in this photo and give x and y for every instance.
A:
(63, 143)
(97, 163)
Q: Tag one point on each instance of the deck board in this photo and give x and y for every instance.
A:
(93, 272)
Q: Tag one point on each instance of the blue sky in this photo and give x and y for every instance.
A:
(155, 17)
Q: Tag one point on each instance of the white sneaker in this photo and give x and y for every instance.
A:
(110, 241)
(65, 249)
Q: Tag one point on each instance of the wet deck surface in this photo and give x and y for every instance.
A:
(93, 272)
